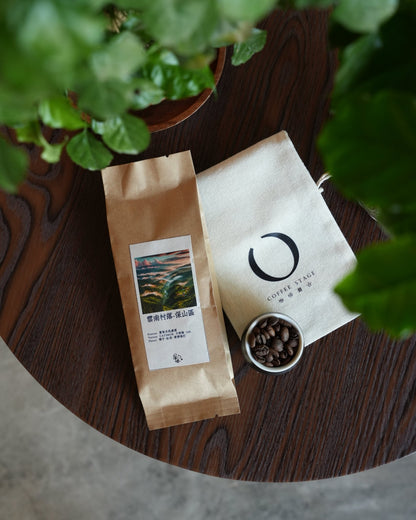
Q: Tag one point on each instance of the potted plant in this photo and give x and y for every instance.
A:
(369, 147)
(156, 49)
(88, 66)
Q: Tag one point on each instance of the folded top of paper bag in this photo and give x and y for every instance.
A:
(276, 245)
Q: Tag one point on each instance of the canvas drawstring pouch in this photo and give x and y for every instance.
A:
(276, 245)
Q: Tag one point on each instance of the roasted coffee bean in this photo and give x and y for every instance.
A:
(283, 355)
(293, 343)
(284, 334)
(263, 324)
(290, 352)
(271, 332)
(261, 360)
(277, 344)
(256, 331)
(273, 321)
(269, 357)
(263, 338)
(276, 363)
(268, 364)
(262, 351)
(251, 340)
(266, 335)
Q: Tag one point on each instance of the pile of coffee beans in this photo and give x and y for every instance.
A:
(273, 342)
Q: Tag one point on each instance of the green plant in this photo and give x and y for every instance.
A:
(369, 146)
(62, 60)
(162, 49)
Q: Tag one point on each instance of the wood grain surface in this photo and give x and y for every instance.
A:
(348, 406)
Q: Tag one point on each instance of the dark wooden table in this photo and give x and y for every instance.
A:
(350, 404)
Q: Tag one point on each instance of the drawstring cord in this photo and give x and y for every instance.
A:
(323, 178)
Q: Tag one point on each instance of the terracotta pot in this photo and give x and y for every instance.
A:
(169, 113)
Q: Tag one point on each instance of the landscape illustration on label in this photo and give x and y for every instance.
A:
(165, 281)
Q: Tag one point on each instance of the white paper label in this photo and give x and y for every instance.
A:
(168, 302)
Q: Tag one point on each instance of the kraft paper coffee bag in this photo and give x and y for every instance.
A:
(169, 293)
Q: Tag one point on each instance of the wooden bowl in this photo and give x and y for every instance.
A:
(169, 113)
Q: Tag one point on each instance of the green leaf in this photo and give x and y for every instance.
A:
(56, 35)
(126, 134)
(354, 61)
(147, 94)
(200, 60)
(370, 148)
(364, 16)
(398, 219)
(245, 50)
(304, 4)
(381, 60)
(120, 58)
(52, 152)
(104, 99)
(29, 133)
(246, 10)
(165, 57)
(45, 44)
(229, 32)
(15, 108)
(90, 5)
(97, 126)
(132, 4)
(58, 112)
(87, 151)
(175, 81)
(383, 286)
(13, 166)
(183, 25)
